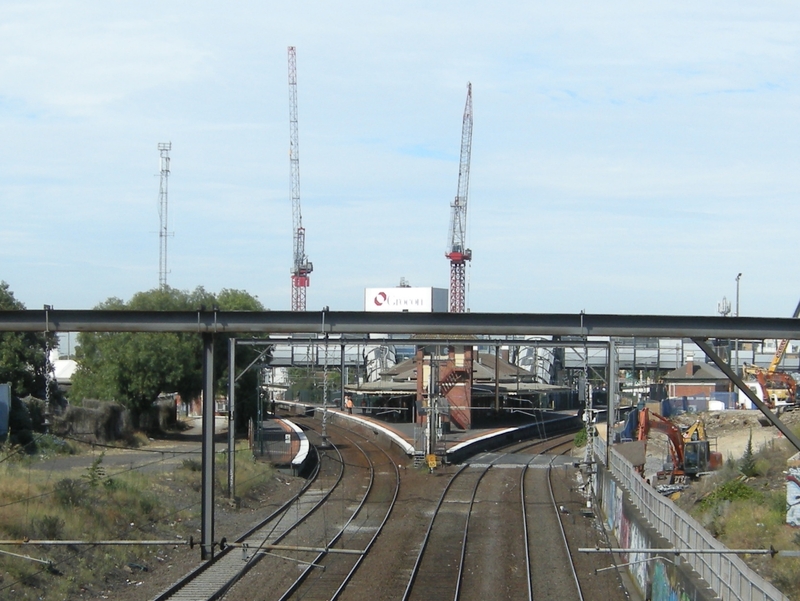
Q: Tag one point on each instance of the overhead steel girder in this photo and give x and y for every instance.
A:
(353, 322)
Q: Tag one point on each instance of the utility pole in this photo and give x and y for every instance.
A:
(736, 346)
(163, 232)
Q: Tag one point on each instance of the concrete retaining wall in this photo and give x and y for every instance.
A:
(659, 578)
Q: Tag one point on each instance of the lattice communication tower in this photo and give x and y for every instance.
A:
(163, 231)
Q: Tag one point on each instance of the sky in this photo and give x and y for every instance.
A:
(627, 157)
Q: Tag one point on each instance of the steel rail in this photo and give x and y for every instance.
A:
(563, 532)
(175, 587)
(224, 570)
(358, 510)
(361, 322)
(380, 528)
(418, 562)
(304, 574)
(258, 552)
(525, 537)
(525, 530)
(465, 536)
(462, 562)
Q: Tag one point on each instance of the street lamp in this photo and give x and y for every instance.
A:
(738, 277)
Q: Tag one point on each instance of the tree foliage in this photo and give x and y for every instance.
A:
(748, 462)
(307, 384)
(23, 354)
(134, 368)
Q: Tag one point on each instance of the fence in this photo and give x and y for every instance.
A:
(727, 575)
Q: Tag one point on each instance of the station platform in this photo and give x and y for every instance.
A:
(453, 446)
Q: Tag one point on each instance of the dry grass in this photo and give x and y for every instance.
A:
(88, 505)
(750, 513)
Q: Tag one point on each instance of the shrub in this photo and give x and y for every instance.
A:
(71, 493)
(193, 465)
(96, 473)
(734, 490)
(49, 527)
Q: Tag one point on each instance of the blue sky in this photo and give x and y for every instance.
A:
(627, 157)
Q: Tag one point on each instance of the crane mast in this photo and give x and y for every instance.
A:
(457, 251)
(781, 350)
(301, 266)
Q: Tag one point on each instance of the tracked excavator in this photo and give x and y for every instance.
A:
(690, 452)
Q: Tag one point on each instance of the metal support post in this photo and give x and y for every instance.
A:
(231, 417)
(726, 369)
(343, 379)
(612, 396)
(738, 277)
(497, 379)
(207, 502)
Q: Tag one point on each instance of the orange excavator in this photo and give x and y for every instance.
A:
(689, 458)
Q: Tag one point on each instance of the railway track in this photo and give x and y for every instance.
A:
(496, 531)
(485, 537)
(210, 580)
(330, 571)
(321, 529)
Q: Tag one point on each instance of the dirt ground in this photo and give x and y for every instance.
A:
(730, 431)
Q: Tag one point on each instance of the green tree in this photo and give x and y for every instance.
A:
(23, 354)
(307, 384)
(748, 461)
(134, 368)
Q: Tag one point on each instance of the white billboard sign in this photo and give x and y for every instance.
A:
(413, 300)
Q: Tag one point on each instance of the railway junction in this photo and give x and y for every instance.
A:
(604, 476)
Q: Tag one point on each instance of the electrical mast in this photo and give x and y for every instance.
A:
(163, 233)
(457, 252)
(301, 266)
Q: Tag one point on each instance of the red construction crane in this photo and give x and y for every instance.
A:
(457, 251)
(301, 266)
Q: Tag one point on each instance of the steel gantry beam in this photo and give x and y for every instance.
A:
(433, 324)
(458, 326)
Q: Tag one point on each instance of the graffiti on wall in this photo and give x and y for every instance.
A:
(793, 496)
(664, 587)
(658, 576)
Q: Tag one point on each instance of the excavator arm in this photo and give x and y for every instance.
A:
(653, 421)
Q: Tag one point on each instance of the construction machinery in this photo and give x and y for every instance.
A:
(688, 458)
(781, 350)
(301, 266)
(778, 389)
(697, 431)
(457, 250)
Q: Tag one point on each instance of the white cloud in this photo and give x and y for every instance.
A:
(626, 157)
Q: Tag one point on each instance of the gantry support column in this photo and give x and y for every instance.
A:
(232, 417)
(207, 502)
